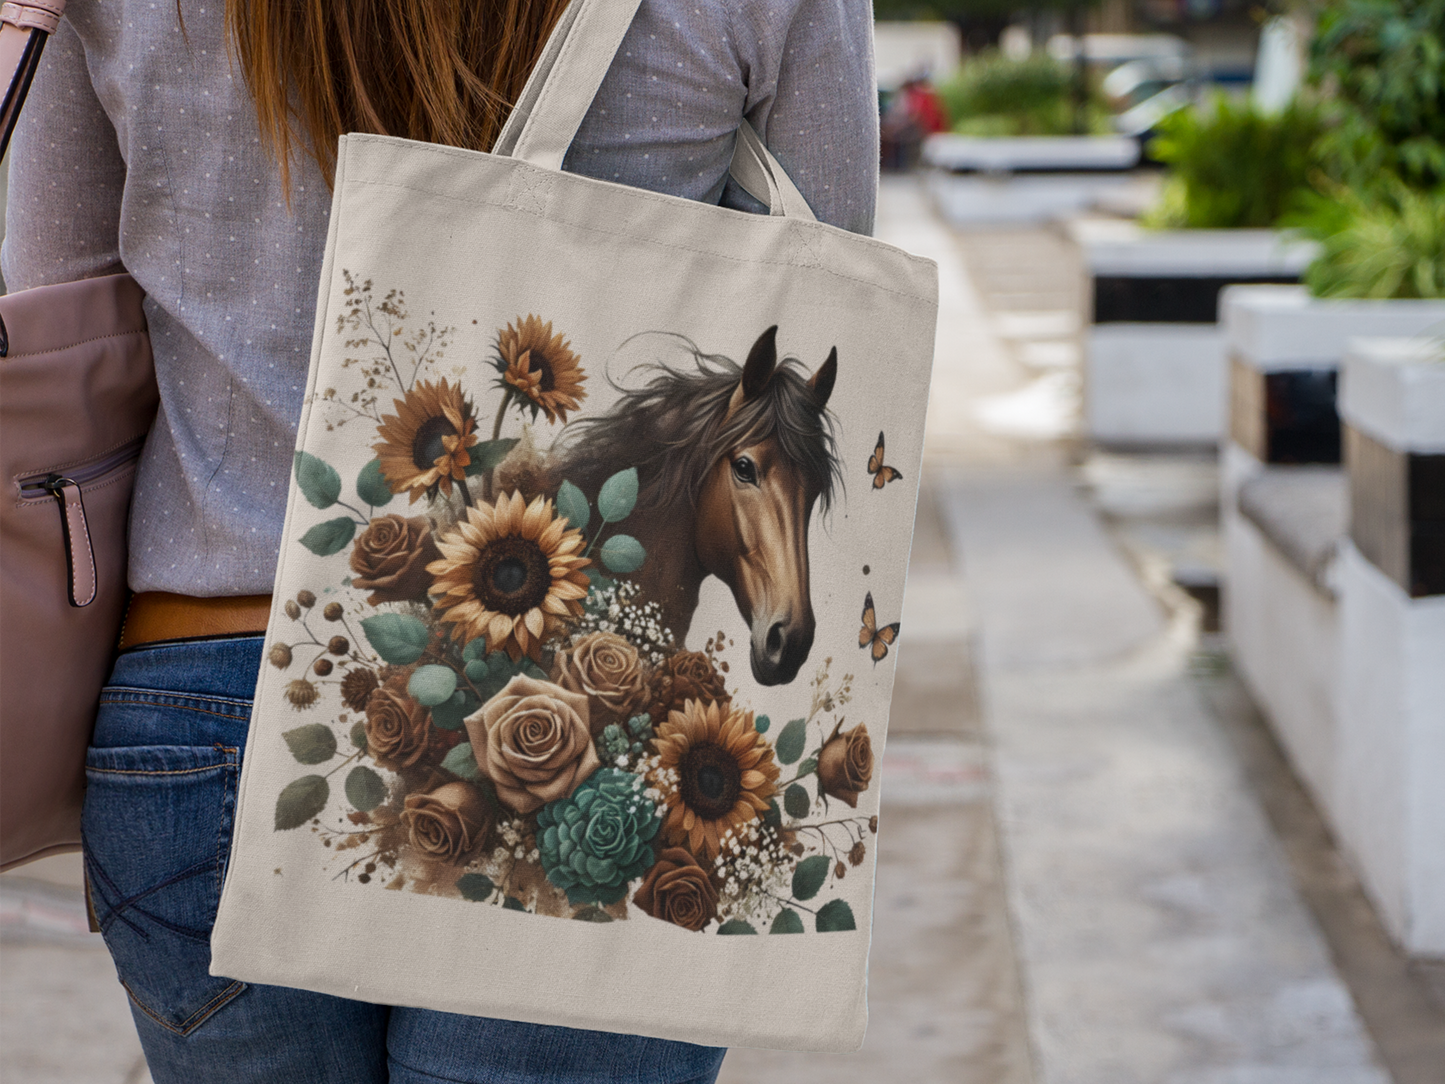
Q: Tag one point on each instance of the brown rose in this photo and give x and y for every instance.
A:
(448, 822)
(607, 670)
(688, 675)
(845, 766)
(390, 559)
(678, 890)
(532, 740)
(397, 727)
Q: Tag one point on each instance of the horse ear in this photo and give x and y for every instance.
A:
(762, 360)
(823, 380)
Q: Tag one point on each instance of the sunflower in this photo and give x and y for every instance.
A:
(424, 445)
(716, 773)
(510, 572)
(542, 367)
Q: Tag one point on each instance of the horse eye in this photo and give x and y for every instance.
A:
(745, 471)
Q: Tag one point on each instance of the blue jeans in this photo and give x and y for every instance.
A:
(159, 809)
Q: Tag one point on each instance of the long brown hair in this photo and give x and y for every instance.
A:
(443, 71)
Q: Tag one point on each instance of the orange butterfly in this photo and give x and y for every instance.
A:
(871, 636)
(882, 475)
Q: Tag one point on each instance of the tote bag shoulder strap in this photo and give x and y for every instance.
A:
(565, 79)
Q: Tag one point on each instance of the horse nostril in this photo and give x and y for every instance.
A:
(776, 636)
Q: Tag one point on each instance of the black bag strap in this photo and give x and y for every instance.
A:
(24, 28)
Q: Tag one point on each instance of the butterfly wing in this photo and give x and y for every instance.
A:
(870, 622)
(884, 476)
(886, 635)
(875, 461)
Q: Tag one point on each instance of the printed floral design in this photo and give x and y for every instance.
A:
(541, 367)
(510, 572)
(533, 743)
(715, 771)
(493, 677)
(423, 446)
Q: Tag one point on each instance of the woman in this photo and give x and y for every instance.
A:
(194, 149)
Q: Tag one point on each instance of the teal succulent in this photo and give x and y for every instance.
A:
(615, 744)
(593, 843)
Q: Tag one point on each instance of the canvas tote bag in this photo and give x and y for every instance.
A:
(578, 674)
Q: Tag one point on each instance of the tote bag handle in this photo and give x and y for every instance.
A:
(24, 27)
(565, 79)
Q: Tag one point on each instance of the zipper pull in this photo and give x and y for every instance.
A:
(78, 552)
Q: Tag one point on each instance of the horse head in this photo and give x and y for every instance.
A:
(756, 501)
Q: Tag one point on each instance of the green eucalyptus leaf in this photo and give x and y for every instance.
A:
(317, 479)
(475, 886)
(833, 916)
(489, 454)
(511, 903)
(808, 878)
(330, 537)
(618, 496)
(432, 685)
(736, 926)
(451, 713)
(312, 743)
(573, 507)
(358, 735)
(788, 921)
(761, 724)
(399, 639)
(808, 767)
(475, 649)
(461, 762)
(371, 487)
(622, 554)
(797, 801)
(364, 788)
(791, 739)
(301, 800)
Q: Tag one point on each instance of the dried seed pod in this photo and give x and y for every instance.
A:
(332, 611)
(302, 694)
(357, 687)
(293, 611)
(322, 667)
(339, 645)
(857, 854)
(306, 598)
(279, 656)
(840, 871)
(873, 824)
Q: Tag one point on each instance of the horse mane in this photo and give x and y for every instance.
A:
(674, 427)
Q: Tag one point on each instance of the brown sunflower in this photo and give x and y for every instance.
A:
(715, 771)
(423, 446)
(511, 572)
(542, 367)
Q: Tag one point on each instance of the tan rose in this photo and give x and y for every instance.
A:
(845, 766)
(390, 559)
(532, 740)
(688, 675)
(608, 671)
(397, 727)
(678, 890)
(448, 822)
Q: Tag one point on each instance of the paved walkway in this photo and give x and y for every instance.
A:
(1076, 881)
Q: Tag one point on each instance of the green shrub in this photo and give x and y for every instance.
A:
(993, 95)
(1231, 166)
(1380, 242)
(1383, 64)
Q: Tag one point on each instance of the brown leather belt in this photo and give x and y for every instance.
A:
(153, 616)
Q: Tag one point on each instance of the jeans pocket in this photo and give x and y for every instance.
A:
(157, 827)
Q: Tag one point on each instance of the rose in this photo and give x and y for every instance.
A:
(845, 766)
(678, 890)
(390, 559)
(448, 822)
(688, 675)
(397, 727)
(532, 740)
(608, 671)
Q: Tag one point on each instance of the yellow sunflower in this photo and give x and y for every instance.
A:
(423, 446)
(542, 367)
(511, 572)
(716, 773)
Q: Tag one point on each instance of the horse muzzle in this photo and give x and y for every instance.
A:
(779, 649)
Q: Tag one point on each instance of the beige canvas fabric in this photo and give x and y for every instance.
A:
(578, 675)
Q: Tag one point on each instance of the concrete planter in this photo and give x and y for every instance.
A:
(1155, 370)
(1027, 178)
(1284, 507)
(1391, 746)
